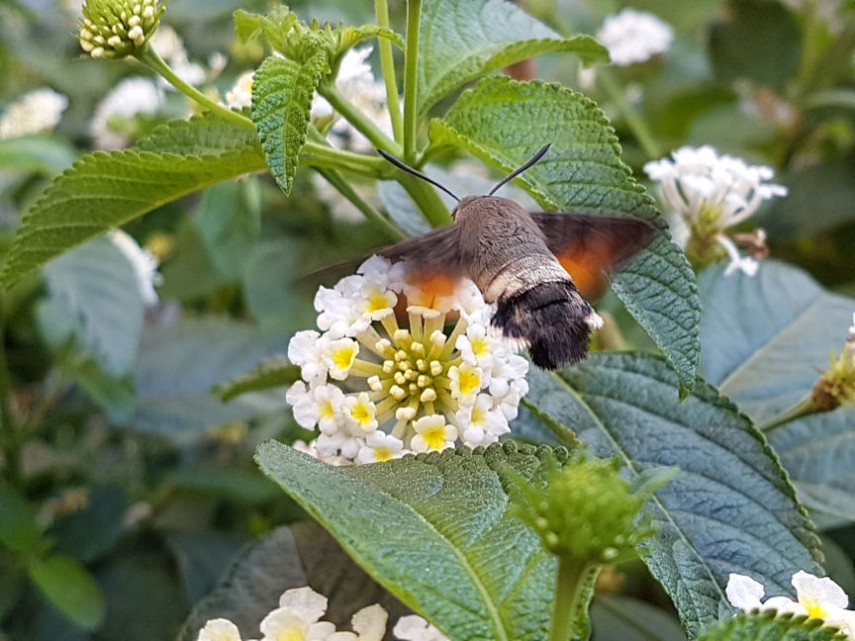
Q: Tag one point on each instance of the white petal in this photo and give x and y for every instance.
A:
(813, 590)
(305, 602)
(744, 592)
(370, 623)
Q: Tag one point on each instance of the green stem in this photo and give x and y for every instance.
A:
(574, 589)
(321, 155)
(411, 68)
(804, 407)
(636, 123)
(356, 118)
(154, 62)
(387, 68)
(8, 429)
(375, 217)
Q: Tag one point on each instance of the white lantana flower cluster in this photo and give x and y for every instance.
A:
(298, 618)
(36, 111)
(356, 82)
(377, 389)
(706, 193)
(110, 123)
(816, 598)
(633, 36)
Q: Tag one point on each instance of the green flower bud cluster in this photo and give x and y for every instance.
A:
(117, 28)
(586, 511)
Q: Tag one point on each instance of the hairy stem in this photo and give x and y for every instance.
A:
(573, 594)
(154, 62)
(358, 119)
(387, 67)
(411, 68)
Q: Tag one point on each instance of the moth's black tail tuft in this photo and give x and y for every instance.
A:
(553, 319)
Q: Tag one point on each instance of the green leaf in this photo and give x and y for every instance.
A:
(350, 36)
(275, 26)
(19, 528)
(819, 454)
(504, 122)
(819, 199)
(765, 338)
(729, 509)
(462, 41)
(97, 287)
(270, 374)
(616, 617)
(105, 190)
(282, 93)
(434, 531)
(290, 557)
(179, 366)
(230, 225)
(770, 626)
(36, 154)
(70, 587)
(756, 40)
(96, 528)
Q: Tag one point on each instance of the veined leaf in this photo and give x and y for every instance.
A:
(434, 531)
(765, 338)
(819, 453)
(104, 190)
(729, 509)
(290, 557)
(771, 626)
(269, 374)
(462, 41)
(97, 288)
(282, 93)
(504, 122)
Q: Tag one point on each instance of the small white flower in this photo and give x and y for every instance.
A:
(219, 630)
(370, 623)
(130, 97)
(380, 447)
(240, 95)
(466, 381)
(143, 262)
(361, 412)
(36, 111)
(634, 36)
(706, 193)
(307, 349)
(414, 628)
(340, 356)
(433, 434)
(815, 597)
(482, 423)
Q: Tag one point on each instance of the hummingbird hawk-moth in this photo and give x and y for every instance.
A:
(532, 265)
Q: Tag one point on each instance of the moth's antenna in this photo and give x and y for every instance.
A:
(415, 172)
(540, 153)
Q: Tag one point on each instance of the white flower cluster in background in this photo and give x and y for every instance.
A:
(377, 389)
(816, 598)
(36, 111)
(240, 95)
(356, 82)
(634, 36)
(132, 96)
(706, 193)
(298, 617)
(170, 46)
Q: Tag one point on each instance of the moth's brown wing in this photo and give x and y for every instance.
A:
(433, 260)
(588, 246)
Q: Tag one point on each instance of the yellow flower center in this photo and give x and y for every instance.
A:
(815, 610)
(326, 409)
(469, 381)
(377, 301)
(480, 346)
(434, 437)
(479, 416)
(382, 454)
(344, 356)
(362, 413)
